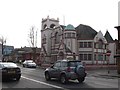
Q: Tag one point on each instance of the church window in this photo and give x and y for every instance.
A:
(81, 45)
(100, 44)
(45, 26)
(44, 40)
(95, 57)
(100, 56)
(96, 45)
(105, 46)
(56, 37)
(69, 44)
(89, 44)
(105, 57)
(68, 35)
(85, 56)
(52, 26)
(73, 35)
(89, 56)
(81, 56)
(85, 44)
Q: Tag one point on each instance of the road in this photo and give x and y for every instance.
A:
(34, 78)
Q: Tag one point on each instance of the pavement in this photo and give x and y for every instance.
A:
(104, 73)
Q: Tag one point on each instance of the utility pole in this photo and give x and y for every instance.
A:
(117, 56)
(2, 41)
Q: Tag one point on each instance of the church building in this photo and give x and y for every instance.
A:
(75, 43)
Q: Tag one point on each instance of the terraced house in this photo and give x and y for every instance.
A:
(79, 43)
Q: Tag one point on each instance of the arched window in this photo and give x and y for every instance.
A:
(56, 37)
(44, 39)
(45, 26)
(100, 44)
(52, 26)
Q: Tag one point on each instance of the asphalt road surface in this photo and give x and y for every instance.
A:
(34, 78)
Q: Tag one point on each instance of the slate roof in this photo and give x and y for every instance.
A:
(108, 37)
(85, 32)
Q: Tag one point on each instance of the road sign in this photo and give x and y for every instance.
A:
(108, 53)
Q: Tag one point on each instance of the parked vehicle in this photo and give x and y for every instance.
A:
(29, 63)
(66, 70)
(9, 70)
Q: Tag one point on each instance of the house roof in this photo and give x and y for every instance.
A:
(108, 37)
(85, 32)
(69, 27)
(27, 49)
(23, 50)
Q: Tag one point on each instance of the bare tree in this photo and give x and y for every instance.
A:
(32, 37)
(33, 40)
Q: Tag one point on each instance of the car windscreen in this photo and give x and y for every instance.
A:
(29, 61)
(9, 65)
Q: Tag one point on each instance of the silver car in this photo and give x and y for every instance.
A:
(66, 70)
(29, 63)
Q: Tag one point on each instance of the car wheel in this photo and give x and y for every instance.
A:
(18, 78)
(81, 79)
(63, 79)
(47, 76)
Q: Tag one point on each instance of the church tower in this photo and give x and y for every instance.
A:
(70, 42)
(47, 27)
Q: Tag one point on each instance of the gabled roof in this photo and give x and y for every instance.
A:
(85, 32)
(108, 37)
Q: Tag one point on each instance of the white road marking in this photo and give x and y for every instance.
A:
(44, 83)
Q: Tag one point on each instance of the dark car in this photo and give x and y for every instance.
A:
(29, 63)
(65, 70)
(10, 70)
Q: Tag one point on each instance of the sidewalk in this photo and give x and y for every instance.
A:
(104, 73)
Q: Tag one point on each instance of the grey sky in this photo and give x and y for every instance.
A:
(17, 16)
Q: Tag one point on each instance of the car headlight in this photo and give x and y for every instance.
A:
(18, 70)
(4, 70)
